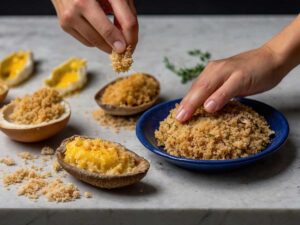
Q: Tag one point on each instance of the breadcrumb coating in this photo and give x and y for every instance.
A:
(43, 105)
(121, 62)
(134, 90)
(235, 131)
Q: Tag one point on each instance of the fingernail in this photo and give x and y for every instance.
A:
(210, 105)
(119, 46)
(181, 114)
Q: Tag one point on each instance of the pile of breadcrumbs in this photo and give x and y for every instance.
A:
(236, 131)
(121, 62)
(134, 90)
(42, 106)
(33, 182)
(115, 122)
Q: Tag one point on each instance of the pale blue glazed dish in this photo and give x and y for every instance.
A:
(149, 122)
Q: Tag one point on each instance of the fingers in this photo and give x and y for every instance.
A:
(208, 82)
(89, 33)
(80, 38)
(92, 11)
(231, 88)
(126, 20)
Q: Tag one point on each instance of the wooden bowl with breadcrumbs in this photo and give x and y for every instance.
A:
(129, 95)
(35, 117)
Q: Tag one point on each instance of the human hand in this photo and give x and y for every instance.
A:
(86, 20)
(247, 73)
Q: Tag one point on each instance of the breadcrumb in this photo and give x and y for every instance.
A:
(42, 106)
(121, 62)
(7, 161)
(115, 122)
(26, 155)
(32, 187)
(58, 191)
(19, 175)
(88, 194)
(236, 131)
(134, 90)
(47, 151)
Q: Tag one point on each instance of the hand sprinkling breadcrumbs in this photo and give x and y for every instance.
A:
(121, 62)
(42, 106)
(235, 131)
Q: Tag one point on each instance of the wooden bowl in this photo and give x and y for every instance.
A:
(32, 133)
(102, 180)
(3, 91)
(121, 110)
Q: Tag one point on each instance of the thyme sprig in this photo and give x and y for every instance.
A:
(189, 73)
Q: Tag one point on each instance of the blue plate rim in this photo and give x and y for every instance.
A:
(257, 156)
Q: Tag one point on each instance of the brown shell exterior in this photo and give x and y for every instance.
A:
(124, 111)
(102, 180)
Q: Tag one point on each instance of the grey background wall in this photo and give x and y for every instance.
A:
(44, 7)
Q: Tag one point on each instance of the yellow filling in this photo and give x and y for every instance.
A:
(99, 156)
(13, 65)
(67, 74)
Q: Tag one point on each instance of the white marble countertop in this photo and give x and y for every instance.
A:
(171, 195)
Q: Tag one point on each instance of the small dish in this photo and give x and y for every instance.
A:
(150, 120)
(103, 180)
(32, 133)
(123, 111)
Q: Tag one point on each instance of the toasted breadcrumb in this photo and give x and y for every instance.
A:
(121, 62)
(19, 175)
(88, 194)
(7, 161)
(235, 131)
(134, 90)
(47, 151)
(42, 106)
(32, 187)
(115, 122)
(58, 191)
(26, 155)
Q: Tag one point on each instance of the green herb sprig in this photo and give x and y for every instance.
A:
(189, 73)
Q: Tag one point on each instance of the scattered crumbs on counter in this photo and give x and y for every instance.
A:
(7, 161)
(47, 151)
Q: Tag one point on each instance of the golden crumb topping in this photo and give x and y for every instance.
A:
(42, 106)
(115, 122)
(235, 131)
(134, 90)
(121, 62)
(99, 156)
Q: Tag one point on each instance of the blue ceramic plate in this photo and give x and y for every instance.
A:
(149, 122)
